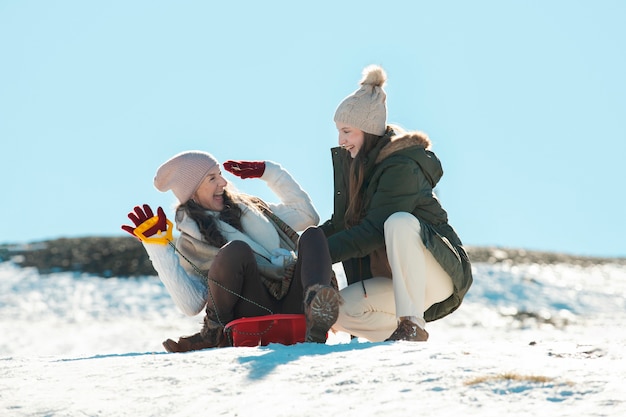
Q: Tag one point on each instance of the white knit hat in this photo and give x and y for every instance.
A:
(366, 108)
(183, 173)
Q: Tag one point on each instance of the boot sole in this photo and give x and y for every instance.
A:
(323, 313)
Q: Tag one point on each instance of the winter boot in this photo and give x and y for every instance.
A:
(211, 336)
(187, 344)
(407, 330)
(213, 332)
(321, 309)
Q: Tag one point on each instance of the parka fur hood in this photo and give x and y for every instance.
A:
(413, 145)
(407, 140)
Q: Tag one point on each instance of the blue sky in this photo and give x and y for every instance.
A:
(525, 102)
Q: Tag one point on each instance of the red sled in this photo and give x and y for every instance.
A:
(286, 329)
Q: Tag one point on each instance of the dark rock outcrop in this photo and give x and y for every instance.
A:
(126, 257)
(102, 256)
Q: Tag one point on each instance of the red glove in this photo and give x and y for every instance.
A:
(245, 169)
(138, 216)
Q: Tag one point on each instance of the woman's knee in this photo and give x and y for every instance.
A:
(312, 235)
(401, 221)
(236, 251)
(234, 262)
(313, 242)
(236, 248)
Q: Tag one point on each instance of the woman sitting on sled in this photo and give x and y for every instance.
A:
(236, 255)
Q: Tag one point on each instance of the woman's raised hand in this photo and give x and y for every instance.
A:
(139, 215)
(245, 169)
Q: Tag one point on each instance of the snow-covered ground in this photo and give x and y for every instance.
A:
(528, 340)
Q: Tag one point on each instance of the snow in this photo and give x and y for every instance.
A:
(529, 339)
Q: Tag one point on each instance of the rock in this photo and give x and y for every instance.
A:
(102, 256)
(126, 257)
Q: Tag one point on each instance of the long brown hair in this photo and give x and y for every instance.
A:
(356, 174)
(207, 224)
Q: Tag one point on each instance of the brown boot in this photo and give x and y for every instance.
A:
(321, 309)
(187, 344)
(211, 336)
(407, 330)
(213, 332)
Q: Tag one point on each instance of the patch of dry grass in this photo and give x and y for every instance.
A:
(510, 376)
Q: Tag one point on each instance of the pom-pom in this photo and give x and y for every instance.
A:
(374, 75)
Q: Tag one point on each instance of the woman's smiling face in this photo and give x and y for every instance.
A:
(210, 193)
(350, 138)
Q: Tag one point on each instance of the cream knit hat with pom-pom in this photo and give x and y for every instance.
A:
(366, 108)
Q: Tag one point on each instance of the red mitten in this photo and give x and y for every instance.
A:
(139, 215)
(245, 169)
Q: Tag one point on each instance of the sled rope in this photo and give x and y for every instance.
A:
(167, 239)
(219, 285)
(219, 320)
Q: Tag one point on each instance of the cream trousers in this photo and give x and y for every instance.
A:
(418, 283)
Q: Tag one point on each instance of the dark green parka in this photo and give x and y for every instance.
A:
(400, 175)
